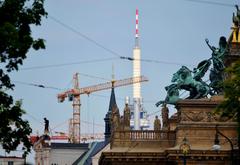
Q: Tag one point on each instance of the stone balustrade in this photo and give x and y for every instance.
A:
(161, 138)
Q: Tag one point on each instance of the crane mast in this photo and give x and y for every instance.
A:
(76, 112)
(74, 95)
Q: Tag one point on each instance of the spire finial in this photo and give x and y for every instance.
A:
(113, 76)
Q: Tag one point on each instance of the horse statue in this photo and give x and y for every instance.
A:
(172, 95)
(184, 80)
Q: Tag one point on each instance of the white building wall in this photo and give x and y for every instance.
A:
(64, 156)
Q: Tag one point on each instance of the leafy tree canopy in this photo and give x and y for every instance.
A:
(230, 107)
(16, 19)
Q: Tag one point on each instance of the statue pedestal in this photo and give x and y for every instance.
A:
(197, 122)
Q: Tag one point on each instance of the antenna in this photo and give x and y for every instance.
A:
(136, 32)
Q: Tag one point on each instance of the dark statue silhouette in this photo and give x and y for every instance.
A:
(46, 125)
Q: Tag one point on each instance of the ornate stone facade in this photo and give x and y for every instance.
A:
(195, 123)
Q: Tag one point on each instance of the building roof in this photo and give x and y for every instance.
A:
(80, 158)
(10, 157)
(86, 158)
(69, 146)
(99, 146)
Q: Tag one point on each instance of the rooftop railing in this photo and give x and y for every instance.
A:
(163, 138)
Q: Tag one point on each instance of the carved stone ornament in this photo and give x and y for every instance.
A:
(195, 116)
(203, 117)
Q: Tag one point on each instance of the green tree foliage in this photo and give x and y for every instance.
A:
(230, 107)
(16, 19)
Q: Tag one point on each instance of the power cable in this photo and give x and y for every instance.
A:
(165, 62)
(37, 85)
(90, 76)
(211, 3)
(101, 60)
(107, 49)
(49, 87)
(67, 64)
(153, 61)
(83, 36)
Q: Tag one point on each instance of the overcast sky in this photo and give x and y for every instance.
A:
(172, 33)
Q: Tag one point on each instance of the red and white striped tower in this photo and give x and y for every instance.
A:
(136, 73)
(136, 32)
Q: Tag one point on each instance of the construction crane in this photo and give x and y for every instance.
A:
(74, 95)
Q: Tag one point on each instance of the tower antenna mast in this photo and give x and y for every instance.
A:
(136, 32)
(136, 73)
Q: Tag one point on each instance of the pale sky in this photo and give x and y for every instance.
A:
(172, 33)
